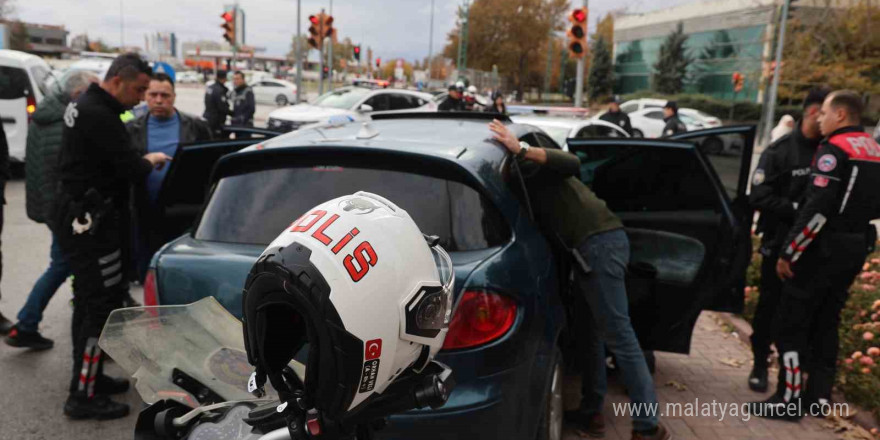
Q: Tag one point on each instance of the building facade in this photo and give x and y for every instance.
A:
(38, 39)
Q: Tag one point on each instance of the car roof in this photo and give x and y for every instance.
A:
(404, 91)
(15, 58)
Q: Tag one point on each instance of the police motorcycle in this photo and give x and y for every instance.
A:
(336, 336)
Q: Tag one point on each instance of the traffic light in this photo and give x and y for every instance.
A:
(737, 79)
(357, 53)
(228, 25)
(577, 33)
(378, 62)
(316, 31)
(329, 30)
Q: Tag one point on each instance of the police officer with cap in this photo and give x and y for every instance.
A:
(454, 101)
(97, 165)
(822, 253)
(217, 104)
(670, 116)
(615, 116)
(778, 184)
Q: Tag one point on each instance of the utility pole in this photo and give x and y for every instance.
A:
(464, 13)
(579, 81)
(777, 72)
(431, 43)
(549, 62)
(296, 50)
(330, 57)
(321, 55)
(562, 64)
(121, 28)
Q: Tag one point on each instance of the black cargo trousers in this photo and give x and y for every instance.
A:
(808, 315)
(98, 264)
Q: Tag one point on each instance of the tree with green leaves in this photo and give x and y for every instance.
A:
(670, 70)
(600, 83)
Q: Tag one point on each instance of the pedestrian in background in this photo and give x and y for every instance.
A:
(244, 105)
(778, 186)
(784, 127)
(217, 104)
(41, 182)
(162, 130)
(497, 105)
(617, 117)
(454, 101)
(96, 167)
(670, 117)
(5, 324)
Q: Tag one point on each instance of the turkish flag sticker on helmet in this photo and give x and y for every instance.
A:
(373, 349)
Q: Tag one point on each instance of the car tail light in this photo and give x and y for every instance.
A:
(30, 107)
(481, 317)
(151, 292)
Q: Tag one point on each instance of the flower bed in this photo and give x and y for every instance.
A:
(858, 375)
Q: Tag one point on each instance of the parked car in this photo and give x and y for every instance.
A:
(348, 104)
(504, 342)
(648, 122)
(274, 91)
(561, 129)
(22, 86)
(704, 119)
(189, 77)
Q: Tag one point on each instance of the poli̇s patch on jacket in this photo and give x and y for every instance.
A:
(759, 177)
(826, 163)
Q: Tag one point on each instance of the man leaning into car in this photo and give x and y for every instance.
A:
(566, 208)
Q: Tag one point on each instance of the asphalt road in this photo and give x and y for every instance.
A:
(33, 385)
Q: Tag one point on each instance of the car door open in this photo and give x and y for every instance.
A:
(689, 240)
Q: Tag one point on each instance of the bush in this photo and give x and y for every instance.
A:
(858, 379)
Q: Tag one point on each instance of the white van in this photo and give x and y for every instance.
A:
(22, 87)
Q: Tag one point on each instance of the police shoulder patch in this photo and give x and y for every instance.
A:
(759, 177)
(820, 181)
(826, 163)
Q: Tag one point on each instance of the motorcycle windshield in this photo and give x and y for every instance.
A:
(201, 339)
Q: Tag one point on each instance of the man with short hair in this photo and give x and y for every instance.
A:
(162, 129)
(453, 101)
(243, 104)
(217, 104)
(96, 168)
(615, 116)
(823, 252)
(670, 117)
(41, 182)
(778, 184)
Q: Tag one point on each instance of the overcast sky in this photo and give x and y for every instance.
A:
(392, 28)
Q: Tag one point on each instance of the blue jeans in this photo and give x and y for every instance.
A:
(32, 313)
(607, 253)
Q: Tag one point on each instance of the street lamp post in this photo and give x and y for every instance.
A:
(777, 72)
(297, 54)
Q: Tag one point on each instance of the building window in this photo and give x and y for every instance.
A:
(55, 41)
(36, 40)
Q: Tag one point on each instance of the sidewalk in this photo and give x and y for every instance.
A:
(716, 369)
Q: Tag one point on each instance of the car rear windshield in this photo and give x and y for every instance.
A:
(342, 98)
(254, 208)
(14, 83)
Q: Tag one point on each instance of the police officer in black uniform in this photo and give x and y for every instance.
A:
(96, 167)
(453, 101)
(822, 254)
(778, 184)
(615, 116)
(670, 116)
(217, 104)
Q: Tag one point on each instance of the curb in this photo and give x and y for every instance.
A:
(743, 330)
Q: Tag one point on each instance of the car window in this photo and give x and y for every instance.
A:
(652, 106)
(629, 108)
(246, 208)
(272, 84)
(14, 83)
(725, 152)
(379, 102)
(401, 102)
(654, 115)
(558, 134)
(546, 142)
(341, 98)
(646, 179)
(40, 74)
(597, 131)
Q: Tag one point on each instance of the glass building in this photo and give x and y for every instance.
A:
(724, 36)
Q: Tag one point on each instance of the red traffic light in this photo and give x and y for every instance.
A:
(227, 16)
(578, 16)
(357, 50)
(314, 19)
(378, 62)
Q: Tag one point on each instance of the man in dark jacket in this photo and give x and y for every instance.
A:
(615, 116)
(244, 105)
(568, 209)
(453, 101)
(96, 167)
(162, 129)
(822, 253)
(41, 182)
(5, 324)
(670, 116)
(217, 104)
(778, 185)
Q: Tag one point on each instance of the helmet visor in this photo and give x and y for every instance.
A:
(431, 309)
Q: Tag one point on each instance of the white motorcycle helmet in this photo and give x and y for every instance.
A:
(357, 283)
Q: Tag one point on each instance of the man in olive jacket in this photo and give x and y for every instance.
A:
(41, 183)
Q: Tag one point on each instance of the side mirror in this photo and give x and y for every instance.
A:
(365, 108)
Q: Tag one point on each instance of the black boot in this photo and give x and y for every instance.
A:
(5, 325)
(107, 385)
(32, 340)
(99, 407)
(758, 376)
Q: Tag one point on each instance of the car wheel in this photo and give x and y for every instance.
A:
(550, 427)
(638, 133)
(281, 100)
(713, 145)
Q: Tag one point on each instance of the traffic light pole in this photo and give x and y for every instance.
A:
(777, 72)
(321, 57)
(579, 81)
(330, 57)
(297, 53)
